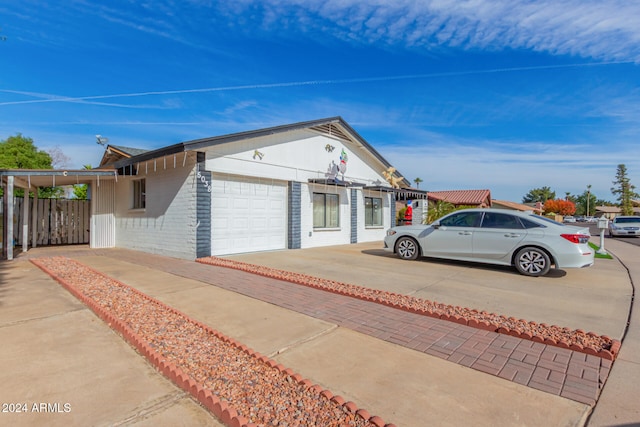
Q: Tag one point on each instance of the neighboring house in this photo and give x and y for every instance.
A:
(610, 212)
(475, 198)
(504, 204)
(607, 211)
(302, 185)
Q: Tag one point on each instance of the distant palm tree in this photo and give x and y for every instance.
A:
(417, 181)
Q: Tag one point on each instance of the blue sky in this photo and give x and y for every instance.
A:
(508, 95)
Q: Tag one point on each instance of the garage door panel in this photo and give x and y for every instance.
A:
(259, 203)
(240, 202)
(247, 216)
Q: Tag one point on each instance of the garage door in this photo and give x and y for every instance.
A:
(247, 215)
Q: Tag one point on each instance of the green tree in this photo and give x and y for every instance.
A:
(80, 191)
(417, 181)
(539, 195)
(624, 190)
(19, 152)
(586, 203)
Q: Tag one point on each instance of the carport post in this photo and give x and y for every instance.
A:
(8, 218)
(25, 220)
(34, 218)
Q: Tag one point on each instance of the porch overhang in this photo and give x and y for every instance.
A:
(34, 178)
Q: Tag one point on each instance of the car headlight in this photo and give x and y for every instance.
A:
(391, 232)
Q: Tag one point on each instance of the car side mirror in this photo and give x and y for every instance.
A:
(435, 224)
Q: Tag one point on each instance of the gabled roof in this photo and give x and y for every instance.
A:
(480, 198)
(334, 127)
(113, 153)
(608, 209)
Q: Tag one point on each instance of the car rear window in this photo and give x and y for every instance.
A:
(500, 220)
(530, 224)
(544, 218)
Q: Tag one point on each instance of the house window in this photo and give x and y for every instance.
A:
(372, 212)
(139, 194)
(326, 210)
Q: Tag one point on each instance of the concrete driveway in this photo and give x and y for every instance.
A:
(59, 352)
(594, 299)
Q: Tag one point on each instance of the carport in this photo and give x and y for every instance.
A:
(101, 183)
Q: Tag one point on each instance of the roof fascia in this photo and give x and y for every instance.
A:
(150, 155)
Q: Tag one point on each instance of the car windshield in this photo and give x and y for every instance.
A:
(627, 220)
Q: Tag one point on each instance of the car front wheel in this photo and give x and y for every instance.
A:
(407, 248)
(532, 262)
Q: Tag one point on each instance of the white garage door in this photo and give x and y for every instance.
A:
(247, 215)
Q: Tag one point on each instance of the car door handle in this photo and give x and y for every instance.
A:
(464, 233)
(512, 235)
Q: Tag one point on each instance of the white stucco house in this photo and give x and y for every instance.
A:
(302, 185)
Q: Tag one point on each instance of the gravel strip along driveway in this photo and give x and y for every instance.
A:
(240, 386)
(577, 340)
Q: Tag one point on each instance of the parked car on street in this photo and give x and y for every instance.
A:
(529, 242)
(569, 219)
(624, 226)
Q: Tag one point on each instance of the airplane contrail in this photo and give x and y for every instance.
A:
(57, 98)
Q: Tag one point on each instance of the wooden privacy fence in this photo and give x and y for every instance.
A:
(59, 221)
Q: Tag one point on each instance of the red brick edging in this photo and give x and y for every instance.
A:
(221, 409)
(461, 315)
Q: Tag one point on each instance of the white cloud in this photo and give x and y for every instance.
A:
(607, 30)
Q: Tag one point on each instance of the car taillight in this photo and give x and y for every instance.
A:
(576, 238)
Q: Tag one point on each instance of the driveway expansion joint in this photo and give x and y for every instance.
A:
(304, 340)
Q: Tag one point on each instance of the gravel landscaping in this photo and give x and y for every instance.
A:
(241, 387)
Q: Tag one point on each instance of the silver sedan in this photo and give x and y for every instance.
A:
(529, 242)
(624, 226)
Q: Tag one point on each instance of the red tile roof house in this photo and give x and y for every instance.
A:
(301, 185)
(476, 198)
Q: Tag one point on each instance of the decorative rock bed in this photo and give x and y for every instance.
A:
(238, 385)
(577, 340)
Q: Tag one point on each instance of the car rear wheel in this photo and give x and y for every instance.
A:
(532, 262)
(407, 248)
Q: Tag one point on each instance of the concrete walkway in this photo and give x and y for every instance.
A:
(329, 339)
(619, 403)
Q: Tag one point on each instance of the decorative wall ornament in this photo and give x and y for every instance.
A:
(342, 167)
(389, 175)
(329, 148)
(257, 154)
(335, 169)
